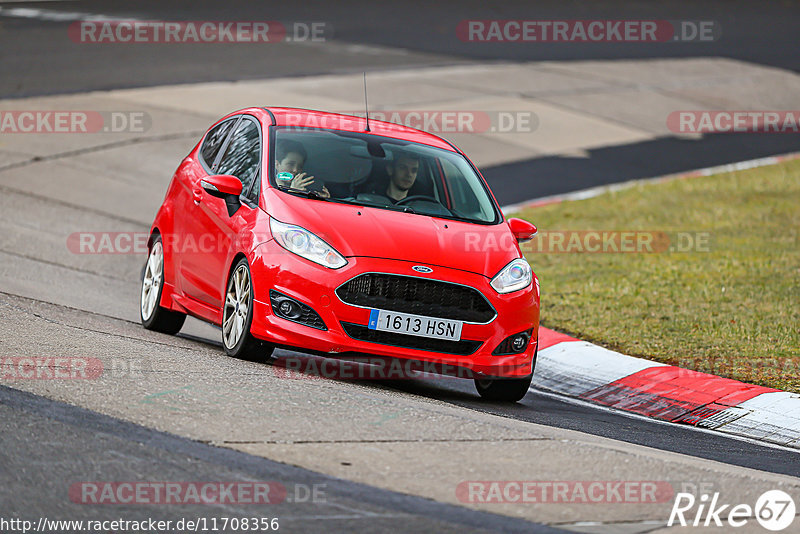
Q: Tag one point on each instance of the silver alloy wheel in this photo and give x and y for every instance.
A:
(237, 304)
(151, 283)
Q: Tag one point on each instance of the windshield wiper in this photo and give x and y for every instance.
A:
(394, 207)
(307, 193)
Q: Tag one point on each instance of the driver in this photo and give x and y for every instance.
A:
(290, 156)
(402, 171)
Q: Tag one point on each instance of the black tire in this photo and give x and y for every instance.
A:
(506, 389)
(153, 315)
(246, 347)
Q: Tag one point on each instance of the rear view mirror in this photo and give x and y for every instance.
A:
(522, 230)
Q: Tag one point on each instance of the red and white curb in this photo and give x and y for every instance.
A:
(582, 370)
(575, 368)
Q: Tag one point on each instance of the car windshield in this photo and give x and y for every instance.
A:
(381, 172)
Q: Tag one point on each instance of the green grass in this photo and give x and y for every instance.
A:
(733, 310)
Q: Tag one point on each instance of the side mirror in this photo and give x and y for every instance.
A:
(522, 230)
(226, 187)
(220, 185)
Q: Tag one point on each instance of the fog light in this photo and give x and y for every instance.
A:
(514, 344)
(290, 309)
(285, 308)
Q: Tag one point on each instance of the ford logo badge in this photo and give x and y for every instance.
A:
(422, 269)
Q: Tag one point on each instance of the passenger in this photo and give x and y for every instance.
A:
(291, 157)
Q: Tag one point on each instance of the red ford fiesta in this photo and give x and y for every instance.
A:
(325, 233)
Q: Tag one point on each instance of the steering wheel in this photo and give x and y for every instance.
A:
(415, 197)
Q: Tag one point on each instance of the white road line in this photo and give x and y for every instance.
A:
(32, 1)
(599, 190)
(587, 404)
(50, 15)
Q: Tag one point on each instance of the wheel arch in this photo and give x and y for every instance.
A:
(236, 258)
(153, 233)
(169, 288)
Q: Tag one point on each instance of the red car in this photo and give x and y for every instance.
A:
(341, 237)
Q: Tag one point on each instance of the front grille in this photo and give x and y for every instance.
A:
(420, 296)
(362, 333)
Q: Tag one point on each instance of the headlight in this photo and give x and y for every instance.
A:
(513, 277)
(303, 243)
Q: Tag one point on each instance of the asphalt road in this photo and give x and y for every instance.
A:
(37, 57)
(555, 175)
(551, 410)
(73, 444)
(545, 408)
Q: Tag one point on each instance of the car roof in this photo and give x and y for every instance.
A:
(310, 118)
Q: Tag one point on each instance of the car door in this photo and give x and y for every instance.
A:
(212, 237)
(189, 175)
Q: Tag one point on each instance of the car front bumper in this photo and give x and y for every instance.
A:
(314, 285)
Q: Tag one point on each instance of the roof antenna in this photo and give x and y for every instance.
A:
(366, 104)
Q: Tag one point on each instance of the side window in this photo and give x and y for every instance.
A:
(213, 141)
(242, 158)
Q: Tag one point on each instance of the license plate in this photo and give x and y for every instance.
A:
(414, 325)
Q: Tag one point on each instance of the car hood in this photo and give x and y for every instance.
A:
(380, 233)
